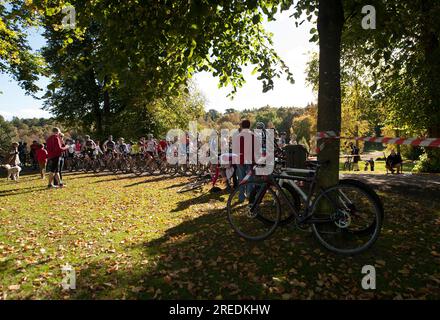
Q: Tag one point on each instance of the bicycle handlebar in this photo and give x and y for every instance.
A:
(317, 164)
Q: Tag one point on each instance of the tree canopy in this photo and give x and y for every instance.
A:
(16, 56)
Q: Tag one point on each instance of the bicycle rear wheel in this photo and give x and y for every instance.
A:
(262, 221)
(139, 167)
(352, 216)
(193, 186)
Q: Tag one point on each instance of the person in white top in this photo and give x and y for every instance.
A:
(151, 145)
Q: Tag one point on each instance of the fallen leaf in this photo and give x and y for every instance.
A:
(14, 287)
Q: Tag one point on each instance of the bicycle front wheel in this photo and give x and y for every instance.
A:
(254, 210)
(352, 217)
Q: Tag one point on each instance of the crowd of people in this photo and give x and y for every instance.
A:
(50, 156)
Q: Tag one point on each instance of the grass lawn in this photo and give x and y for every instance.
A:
(379, 167)
(131, 238)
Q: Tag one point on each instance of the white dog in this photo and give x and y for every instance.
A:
(13, 172)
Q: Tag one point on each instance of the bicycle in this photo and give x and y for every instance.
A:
(349, 214)
(211, 174)
(196, 183)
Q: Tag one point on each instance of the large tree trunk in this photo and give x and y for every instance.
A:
(98, 115)
(107, 114)
(96, 102)
(330, 24)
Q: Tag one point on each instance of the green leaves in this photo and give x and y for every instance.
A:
(402, 60)
(257, 19)
(16, 57)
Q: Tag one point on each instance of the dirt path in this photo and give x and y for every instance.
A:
(414, 186)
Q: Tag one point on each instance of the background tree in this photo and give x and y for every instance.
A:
(404, 57)
(16, 56)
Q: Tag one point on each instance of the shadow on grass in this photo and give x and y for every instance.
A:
(20, 191)
(205, 197)
(151, 179)
(199, 258)
(202, 258)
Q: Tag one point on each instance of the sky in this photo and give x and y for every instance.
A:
(290, 42)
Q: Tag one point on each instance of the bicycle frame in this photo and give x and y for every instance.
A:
(286, 178)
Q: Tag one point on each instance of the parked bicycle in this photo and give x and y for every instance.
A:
(346, 218)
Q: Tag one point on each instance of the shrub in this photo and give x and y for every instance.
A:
(411, 152)
(428, 163)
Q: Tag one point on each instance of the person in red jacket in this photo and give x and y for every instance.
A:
(55, 148)
(41, 155)
(243, 145)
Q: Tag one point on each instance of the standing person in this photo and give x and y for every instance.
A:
(61, 163)
(54, 150)
(41, 155)
(21, 153)
(283, 140)
(34, 147)
(245, 159)
(25, 154)
(262, 137)
(70, 153)
(356, 157)
(14, 158)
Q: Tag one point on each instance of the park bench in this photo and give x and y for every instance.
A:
(402, 168)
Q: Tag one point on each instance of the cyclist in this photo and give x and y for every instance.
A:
(98, 150)
(71, 149)
(162, 146)
(151, 145)
(78, 147)
(109, 145)
(89, 147)
(122, 147)
(142, 145)
(135, 148)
